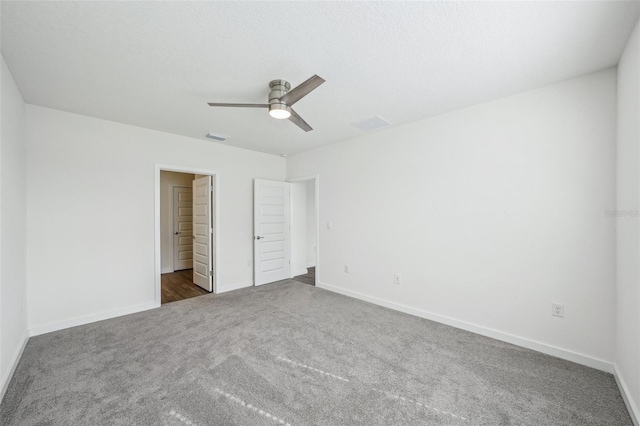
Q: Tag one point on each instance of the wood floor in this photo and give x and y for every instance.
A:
(179, 285)
(308, 278)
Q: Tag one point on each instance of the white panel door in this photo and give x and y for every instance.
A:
(271, 227)
(182, 228)
(203, 233)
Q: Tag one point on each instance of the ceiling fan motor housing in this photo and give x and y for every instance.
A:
(279, 88)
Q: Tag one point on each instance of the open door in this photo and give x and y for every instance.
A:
(203, 247)
(271, 228)
(182, 228)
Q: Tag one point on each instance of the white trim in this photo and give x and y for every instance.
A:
(158, 167)
(315, 178)
(157, 258)
(170, 195)
(13, 364)
(87, 319)
(299, 272)
(566, 354)
(235, 286)
(310, 265)
(317, 265)
(626, 396)
(166, 271)
(216, 217)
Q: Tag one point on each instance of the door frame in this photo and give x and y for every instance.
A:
(158, 167)
(316, 179)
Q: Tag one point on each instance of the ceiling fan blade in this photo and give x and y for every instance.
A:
(298, 121)
(239, 105)
(300, 91)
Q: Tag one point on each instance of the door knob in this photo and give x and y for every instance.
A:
(258, 237)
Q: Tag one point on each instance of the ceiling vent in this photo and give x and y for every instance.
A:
(217, 137)
(372, 123)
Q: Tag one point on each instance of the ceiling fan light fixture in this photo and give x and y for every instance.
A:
(279, 111)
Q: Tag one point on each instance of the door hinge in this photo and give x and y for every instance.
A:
(211, 273)
(211, 189)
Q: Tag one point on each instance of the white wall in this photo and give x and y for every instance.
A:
(90, 213)
(490, 213)
(311, 223)
(168, 180)
(298, 234)
(13, 317)
(628, 228)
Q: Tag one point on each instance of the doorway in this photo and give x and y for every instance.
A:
(186, 207)
(304, 230)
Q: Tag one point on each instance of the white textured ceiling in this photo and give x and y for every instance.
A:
(157, 64)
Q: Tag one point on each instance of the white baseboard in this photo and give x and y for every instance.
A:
(166, 270)
(566, 354)
(626, 396)
(13, 364)
(55, 326)
(299, 272)
(234, 286)
(311, 265)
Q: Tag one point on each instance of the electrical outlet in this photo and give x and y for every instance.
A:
(557, 310)
(346, 269)
(397, 278)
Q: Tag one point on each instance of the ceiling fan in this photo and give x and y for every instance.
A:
(281, 98)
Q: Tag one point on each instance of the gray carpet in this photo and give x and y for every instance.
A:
(290, 353)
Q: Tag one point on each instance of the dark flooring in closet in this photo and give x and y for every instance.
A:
(179, 286)
(308, 278)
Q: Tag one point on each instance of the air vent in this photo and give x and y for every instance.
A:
(371, 124)
(217, 137)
